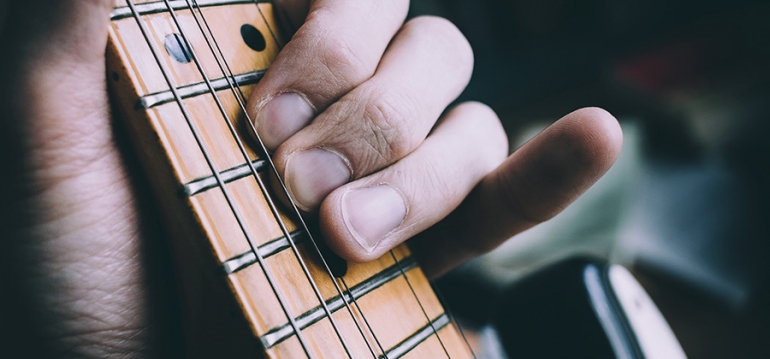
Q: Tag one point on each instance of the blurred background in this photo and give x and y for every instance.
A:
(686, 205)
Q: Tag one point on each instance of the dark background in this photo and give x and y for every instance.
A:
(690, 83)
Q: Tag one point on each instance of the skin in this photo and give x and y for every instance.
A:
(80, 269)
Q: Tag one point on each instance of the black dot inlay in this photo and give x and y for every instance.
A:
(253, 38)
(177, 48)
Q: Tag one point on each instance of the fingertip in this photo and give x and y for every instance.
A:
(595, 133)
(483, 123)
(335, 232)
(606, 124)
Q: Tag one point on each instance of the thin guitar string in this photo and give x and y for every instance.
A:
(240, 97)
(217, 176)
(355, 302)
(374, 335)
(424, 312)
(293, 28)
(438, 292)
(273, 208)
(342, 279)
(285, 17)
(451, 316)
(264, 19)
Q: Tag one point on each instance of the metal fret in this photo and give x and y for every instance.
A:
(314, 315)
(417, 338)
(159, 6)
(206, 183)
(201, 88)
(266, 250)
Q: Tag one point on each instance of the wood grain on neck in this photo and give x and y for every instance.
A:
(229, 306)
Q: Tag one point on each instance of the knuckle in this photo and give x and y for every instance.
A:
(340, 57)
(388, 127)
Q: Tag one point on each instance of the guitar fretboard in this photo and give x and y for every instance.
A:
(181, 71)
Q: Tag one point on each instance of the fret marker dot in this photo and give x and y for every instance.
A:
(177, 48)
(253, 38)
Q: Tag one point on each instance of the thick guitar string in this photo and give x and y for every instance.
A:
(240, 97)
(259, 180)
(207, 156)
(424, 312)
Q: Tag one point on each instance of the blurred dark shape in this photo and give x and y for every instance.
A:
(694, 76)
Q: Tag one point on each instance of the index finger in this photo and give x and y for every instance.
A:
(337, 48)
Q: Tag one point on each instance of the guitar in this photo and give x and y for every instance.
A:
(255, 279)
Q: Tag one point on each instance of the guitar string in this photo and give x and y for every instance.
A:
(259, 180)
(424, 312)
(342, 279)
(355, 303)
(264, 19)
(207, 156)
(445, 304)
(282, 10)
(240, 97)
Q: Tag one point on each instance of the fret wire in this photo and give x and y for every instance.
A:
(241, 101)
(374, 335)
(159, 98)
(424, 312)
(452, 319)
(279, 334)
(158, 7)
(268, 198)
(209, 161)
(254, 171)
(414, 340)
(204, 184)
(267, 250)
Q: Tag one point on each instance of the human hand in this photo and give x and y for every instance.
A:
(73, 255)
(72, 266)
(353, 108)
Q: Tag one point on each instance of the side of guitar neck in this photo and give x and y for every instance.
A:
(218, 218)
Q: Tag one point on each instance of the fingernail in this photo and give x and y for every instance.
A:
(371, 213)
(312, 174)
(281, 117)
